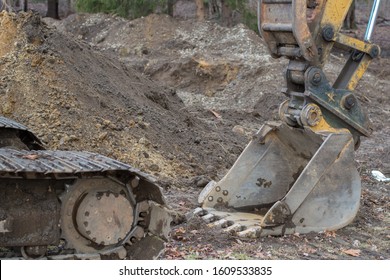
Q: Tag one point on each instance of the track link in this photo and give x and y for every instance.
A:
(103, 206)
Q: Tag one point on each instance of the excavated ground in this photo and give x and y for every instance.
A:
(180, 100)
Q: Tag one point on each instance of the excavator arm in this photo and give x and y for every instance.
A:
(305, 32)
(299, 175)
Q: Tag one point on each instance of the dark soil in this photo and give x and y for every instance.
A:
(180, 100)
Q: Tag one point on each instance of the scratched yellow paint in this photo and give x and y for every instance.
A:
(335, 12)
(324, 127)
(354, 43)
(359, 72)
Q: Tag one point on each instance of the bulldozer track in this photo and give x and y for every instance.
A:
(59, 164)
(96, 206)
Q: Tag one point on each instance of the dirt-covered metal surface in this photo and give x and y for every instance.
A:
(81, 203)
(180, 100)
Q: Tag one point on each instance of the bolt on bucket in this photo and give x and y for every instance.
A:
(287, 180)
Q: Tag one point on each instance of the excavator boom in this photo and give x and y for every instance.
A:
(299, 175)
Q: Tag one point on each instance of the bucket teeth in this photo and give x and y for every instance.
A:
(199, 212)
(253, 232)
(228, 224)
(288, 180)
(240, 224)
(222, 223)
(209, 218)
(235, 228)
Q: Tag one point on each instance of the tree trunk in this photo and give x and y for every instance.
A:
(214, 11)
(226, 13)
(200, 12)
(170, 6)
(52, 9)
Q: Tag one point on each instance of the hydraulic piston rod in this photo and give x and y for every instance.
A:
(372, 20)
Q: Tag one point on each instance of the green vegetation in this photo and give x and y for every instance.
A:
(124, 8)
(137, 8)
(249, 17)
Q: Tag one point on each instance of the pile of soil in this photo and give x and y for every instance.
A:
(75, 97)
(210, 66)
(180, 100)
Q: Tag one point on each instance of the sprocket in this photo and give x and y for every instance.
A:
(101, 216)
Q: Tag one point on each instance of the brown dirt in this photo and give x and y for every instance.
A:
(181, 102)
(77, 98)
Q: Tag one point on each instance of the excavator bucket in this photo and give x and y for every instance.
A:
(287, 180)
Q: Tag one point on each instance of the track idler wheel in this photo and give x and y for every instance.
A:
(101, 216)
(104, 217)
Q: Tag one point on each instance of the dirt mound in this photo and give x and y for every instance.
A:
(210, 66)
(227, 70)
(77, 98)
